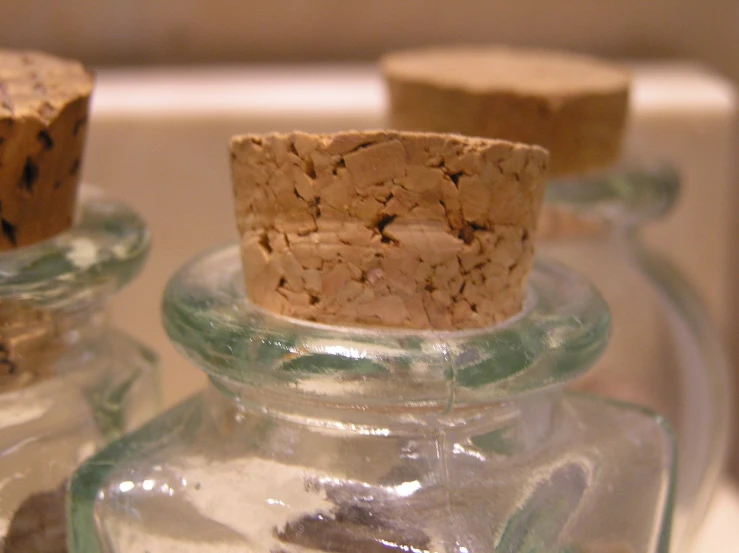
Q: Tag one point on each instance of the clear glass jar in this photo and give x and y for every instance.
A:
(69, 382)
(313, 437)
(663, 353)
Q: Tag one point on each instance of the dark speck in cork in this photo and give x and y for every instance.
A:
(8, 230)
(46, 141)
(29, 175)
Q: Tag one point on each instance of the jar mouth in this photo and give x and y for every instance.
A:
(100, 253)
(561, 331)
(627, 194)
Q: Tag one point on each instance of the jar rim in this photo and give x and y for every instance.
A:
(630, 193)
(561, 331)
(103, 250)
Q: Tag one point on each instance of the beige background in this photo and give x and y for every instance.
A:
(113, 32)
(165, 31)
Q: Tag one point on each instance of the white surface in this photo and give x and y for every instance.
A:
(338, 89)
(275, 91)
(660, 87)
(721, 531)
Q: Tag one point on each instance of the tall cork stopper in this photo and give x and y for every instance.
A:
(394, 229)
(44, 103)
(573, 105)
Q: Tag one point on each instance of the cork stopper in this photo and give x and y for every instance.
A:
(394, 229)
(573, 105)
(44, 103)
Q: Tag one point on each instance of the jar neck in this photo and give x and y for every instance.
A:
(505, 378)
(40, 342)
(53, 293)
(617, 199)
(559, 223)
(515, 424)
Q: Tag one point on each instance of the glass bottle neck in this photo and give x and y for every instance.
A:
(514, 424)
(37, 343)
(53, 293)
(618, 199)
(505, 379)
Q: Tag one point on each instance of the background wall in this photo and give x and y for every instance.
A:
(179, 31)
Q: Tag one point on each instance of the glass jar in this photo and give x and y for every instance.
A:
(663, 353)
(313, 437)
(69, 382)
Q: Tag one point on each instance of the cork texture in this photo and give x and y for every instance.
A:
(573, 105)
(30, 338)
(44, 104)
(390, 229)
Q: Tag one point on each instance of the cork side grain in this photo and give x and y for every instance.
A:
(573, 105)
(44, 104)
(411, 230)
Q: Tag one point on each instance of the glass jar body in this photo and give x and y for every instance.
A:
(69, 382)
(341, 439)
(664, 353)
(52, 426)
(565, 474)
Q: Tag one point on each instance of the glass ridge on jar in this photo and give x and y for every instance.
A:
(69, 381)
(347, 439)
(664, 353)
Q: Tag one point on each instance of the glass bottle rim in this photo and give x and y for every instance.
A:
(630, 193)
(561, 331)
(103, 250)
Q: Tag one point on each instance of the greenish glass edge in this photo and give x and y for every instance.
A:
(665, 535)
(87, 481)
(104, 250)
(631, 193)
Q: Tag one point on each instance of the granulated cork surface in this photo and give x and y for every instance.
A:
(412, 230)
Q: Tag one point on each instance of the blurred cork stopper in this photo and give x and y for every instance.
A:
(31, 339)
(390, 229)
(573, 105)
(44, 103)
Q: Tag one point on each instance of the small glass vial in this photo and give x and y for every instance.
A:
(314, 437)
(69, 382)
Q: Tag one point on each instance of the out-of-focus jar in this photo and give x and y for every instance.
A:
(664, 353)
(69, 381)
(314, 437)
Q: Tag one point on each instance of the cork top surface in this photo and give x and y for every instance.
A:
(34, 84)
(498, 68)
